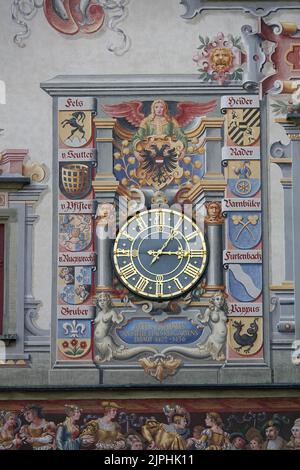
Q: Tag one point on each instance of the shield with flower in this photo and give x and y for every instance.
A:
(74, 339)
(245, 229)
(220, 59)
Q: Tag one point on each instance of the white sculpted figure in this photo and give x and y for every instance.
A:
(215, 317)
(106, 319)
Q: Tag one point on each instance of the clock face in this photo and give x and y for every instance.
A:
(160, 254)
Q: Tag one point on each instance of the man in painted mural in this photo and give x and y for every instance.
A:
(67, 435)
(104, 433)
(172, 436)
(39, 434)
(273, 439)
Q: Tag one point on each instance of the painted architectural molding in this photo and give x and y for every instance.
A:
(256, 8)
(20, 192)
(272, 60)
(72, 17)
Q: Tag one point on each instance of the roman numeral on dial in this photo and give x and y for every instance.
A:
(178, 283)
(122, 252)
(126, 234)
(191, 270)
(197, 253)
(142, 284)
(128, 271)
(160, 220)
(141, 223)
(191, 236)
(159, 285)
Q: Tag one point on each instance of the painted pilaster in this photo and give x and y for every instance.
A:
(214, 232)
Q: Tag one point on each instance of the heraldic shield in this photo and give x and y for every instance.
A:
(245, 281)
(244, 126)
(75, 128)
(75, 179)
(74, 338)
(245, 335)
(75, 283)
(75, 231)
(159, 160)
(244, 229)
(244, 177)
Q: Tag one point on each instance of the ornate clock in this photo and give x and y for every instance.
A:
(160, 254)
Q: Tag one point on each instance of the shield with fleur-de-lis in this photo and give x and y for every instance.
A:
(244, 229)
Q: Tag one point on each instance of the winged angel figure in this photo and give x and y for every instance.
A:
(159, 141)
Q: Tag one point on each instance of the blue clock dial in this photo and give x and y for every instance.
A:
(160, 254)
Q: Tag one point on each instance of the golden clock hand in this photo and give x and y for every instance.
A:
(157, 255)
(179, 253)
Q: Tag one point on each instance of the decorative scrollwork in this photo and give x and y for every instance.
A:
(160, 366)
(279, 150)
(23, 11)
(35, 171)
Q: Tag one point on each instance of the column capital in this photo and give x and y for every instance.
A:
(105, 123)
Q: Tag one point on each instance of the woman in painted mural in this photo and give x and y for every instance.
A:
(213, 437)
(37, 434)
(104, 433)
(144, 429)
(67, 435)
(158, 123)
(154, 155)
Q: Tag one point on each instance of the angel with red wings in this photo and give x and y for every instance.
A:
(159, 122)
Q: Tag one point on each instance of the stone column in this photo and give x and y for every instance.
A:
(213, 142)
(105, 186)
(281, 157)
(214, 232)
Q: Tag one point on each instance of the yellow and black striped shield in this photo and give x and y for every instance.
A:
(244, 126)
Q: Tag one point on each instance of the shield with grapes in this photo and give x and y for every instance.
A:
(244, 229)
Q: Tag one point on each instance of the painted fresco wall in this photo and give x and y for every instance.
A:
(109, 113)
(177, 424)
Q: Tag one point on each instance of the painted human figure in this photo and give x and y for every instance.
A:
(161, 436)
(9, 439)
(196, 436)
(214, 213)
(39, 433)
(213, 437)
(104, 433)
(68, 433)
(158, 123)
(255, 439)
(216, 318)
(134, 442)
(238, 441)
(105, 347)
(294, 442)
(243, 171)
(273, 439)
